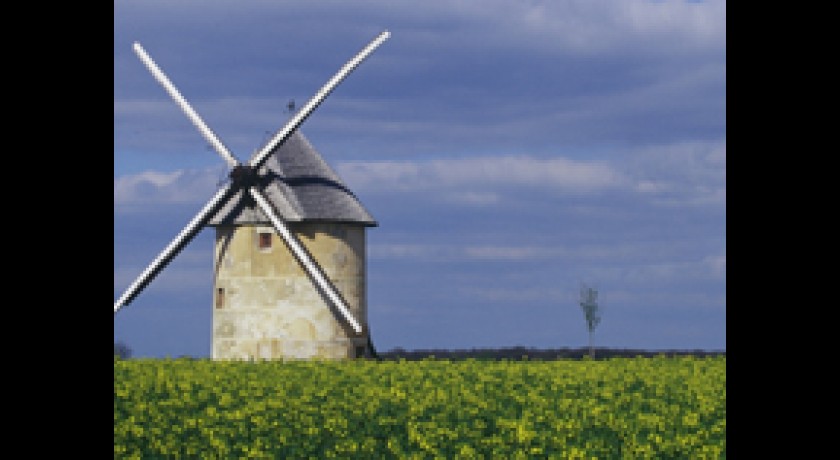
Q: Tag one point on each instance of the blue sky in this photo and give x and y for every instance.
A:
(510, 150)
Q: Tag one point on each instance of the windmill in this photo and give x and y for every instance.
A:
(289, 257)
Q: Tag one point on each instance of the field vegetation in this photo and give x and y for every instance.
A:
(617, 407)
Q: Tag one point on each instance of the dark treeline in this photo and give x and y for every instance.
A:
(496, 354)
(535, 354)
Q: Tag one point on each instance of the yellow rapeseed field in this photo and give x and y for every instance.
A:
(617, 408)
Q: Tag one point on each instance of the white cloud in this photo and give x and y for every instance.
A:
(649, 186)
(589, 25)
(516, 295)
(142, 107)
(582, 23)
(574, 25)
(717, 265)
(690, 173)
(508, 252)
(458, 252)
(474, 198)
(683, 173)
(609, 253)
(156, 187)
(664, 270)
(400, 251)
(493, 171)
(170, 280)
(191, 269)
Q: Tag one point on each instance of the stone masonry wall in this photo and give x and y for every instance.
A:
(266, 307)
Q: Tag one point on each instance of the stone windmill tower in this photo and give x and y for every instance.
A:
(289, 265)
(265, 304)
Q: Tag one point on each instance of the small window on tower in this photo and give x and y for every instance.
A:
(265, 240)
(220, 297)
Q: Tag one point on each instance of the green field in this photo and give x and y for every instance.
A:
(660, 407)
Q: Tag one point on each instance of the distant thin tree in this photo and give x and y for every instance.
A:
(589, 303)
(122, 350)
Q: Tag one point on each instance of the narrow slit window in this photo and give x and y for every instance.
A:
(265, 240)
(220, 297)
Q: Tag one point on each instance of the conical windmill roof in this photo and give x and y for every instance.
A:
(301, 186)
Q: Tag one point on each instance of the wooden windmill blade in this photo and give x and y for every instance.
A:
(306, 260)
(198, 222)
(183, 238)
(185, 106)
(316, 100)
(244, 181)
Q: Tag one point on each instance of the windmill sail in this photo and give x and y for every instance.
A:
(250, 190)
